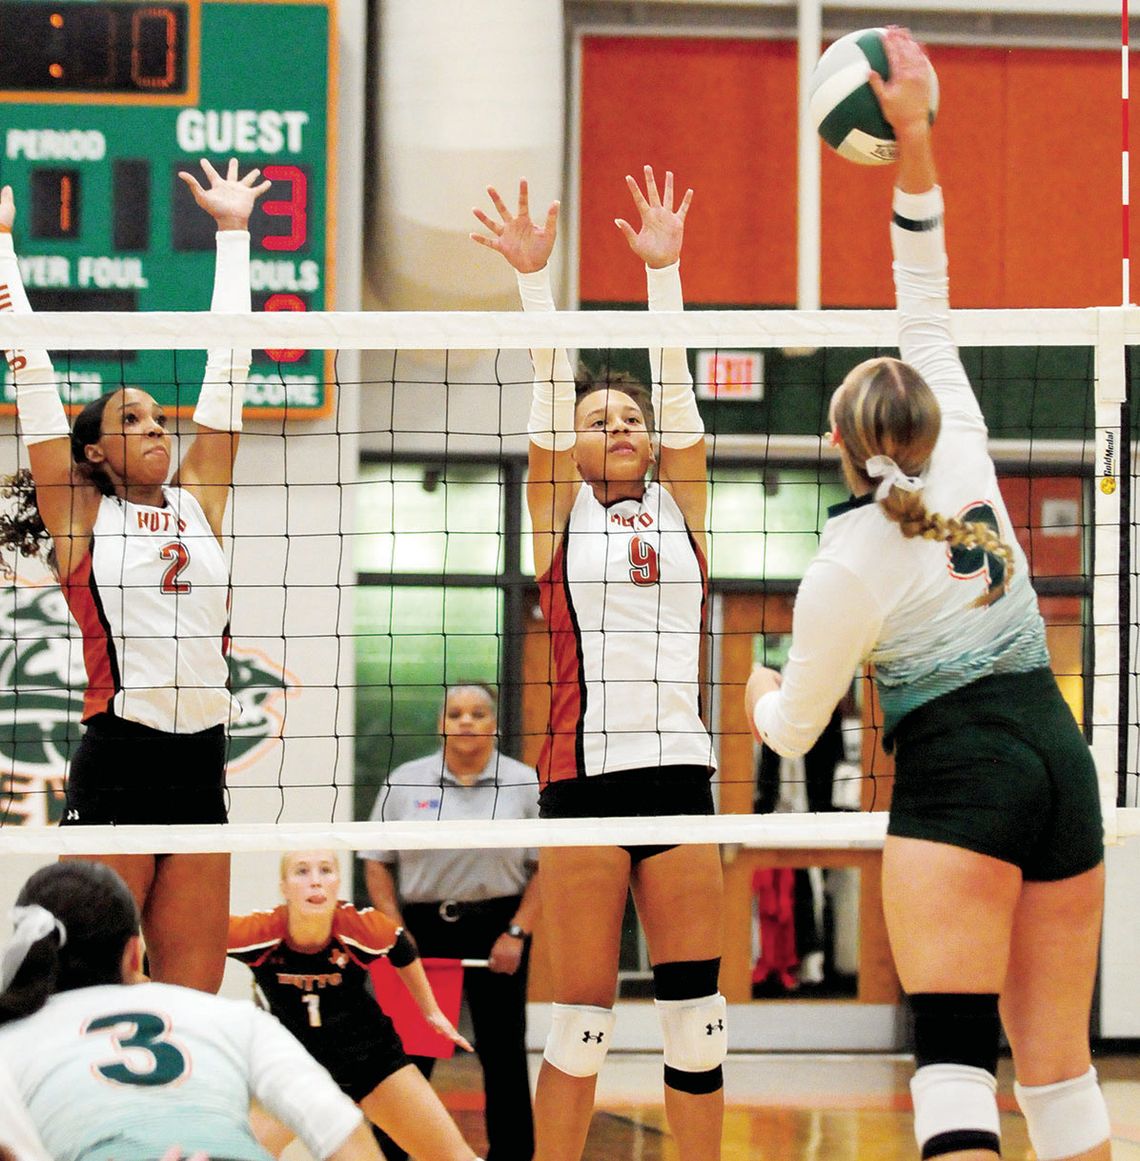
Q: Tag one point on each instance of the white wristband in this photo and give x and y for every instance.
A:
(41, 413)
(551, 422)
(918, 238)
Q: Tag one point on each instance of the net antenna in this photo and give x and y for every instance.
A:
(313, 469)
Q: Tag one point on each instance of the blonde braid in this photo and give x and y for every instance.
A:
(909, 512)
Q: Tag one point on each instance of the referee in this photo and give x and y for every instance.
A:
(470, 904)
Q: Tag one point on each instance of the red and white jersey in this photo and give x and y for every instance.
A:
(624, 599)
(151, 597)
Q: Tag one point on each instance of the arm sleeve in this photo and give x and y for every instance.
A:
(834, 627)
(404, 950)
(223, 385)
(296, 1089)
(36, 365)
(918, 241)
(551, 422)
(679, 423)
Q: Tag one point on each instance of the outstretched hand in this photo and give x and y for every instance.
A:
(7, 209)
(443, 1026)
(228, 200)
(658, 242)
(904, 98)
(521, 241)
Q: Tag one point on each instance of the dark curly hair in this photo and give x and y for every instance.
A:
(22, 530)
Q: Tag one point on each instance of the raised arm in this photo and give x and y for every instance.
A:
(918, 238)
(681, 432)
(207, 467)
(66, 502)
(553, 480)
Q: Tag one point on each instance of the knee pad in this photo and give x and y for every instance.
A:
(955, 1108)
(693, 1016)
(956, 1038)
(579, 1038)
(1065, 1118)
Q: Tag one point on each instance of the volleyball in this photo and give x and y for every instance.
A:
(843, 107)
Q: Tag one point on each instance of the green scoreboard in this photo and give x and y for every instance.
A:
(102, 102)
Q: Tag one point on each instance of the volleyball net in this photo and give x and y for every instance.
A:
(380, 552)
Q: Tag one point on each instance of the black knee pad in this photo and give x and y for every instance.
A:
(956, 1028)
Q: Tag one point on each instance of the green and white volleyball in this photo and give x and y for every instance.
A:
(844, 109)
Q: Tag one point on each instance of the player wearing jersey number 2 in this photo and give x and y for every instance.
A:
(142, 568)
(993, 871)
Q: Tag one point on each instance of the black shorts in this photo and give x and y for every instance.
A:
(128, 774)
(358, 1058)
(644, 792)
(1000, 767)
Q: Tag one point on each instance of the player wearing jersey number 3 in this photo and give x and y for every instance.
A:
(142, 569)
(993, 873)
(620, 561)
(111, 1070)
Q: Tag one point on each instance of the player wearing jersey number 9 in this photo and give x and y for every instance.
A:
(141, 566)
(616, 492)
(993, 868)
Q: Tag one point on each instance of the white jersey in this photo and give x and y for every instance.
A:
(624, 599)
(17, 1133)
(909, 607)
(151, 598)
(119, 1073)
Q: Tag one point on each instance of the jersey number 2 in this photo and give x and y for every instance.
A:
(644, 568)
(179, 556)
(146, 1057)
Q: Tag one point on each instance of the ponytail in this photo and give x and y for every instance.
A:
(72, 923)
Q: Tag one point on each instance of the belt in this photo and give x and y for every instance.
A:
(452, 910)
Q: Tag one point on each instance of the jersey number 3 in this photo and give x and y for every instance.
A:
(179, 556)
(644, 567)
(146, 1057)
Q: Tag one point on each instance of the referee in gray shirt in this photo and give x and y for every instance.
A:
(470, 904)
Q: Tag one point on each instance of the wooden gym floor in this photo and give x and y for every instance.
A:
(788, 1108)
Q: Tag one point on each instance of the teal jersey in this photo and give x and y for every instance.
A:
(118, 1073)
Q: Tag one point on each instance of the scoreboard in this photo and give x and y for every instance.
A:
(102, 103)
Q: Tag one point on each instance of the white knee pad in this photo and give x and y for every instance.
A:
(579, 1038)
(694, 1032)
(1065, 1118)
(955, 1108)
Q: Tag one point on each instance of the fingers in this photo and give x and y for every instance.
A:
(683, 208)
(627, 230)
(483, 240)
(552, 217)
(210, 171)
(499, 204)
(192, 182)
(232, 170)
(651, 186)
(486, 220)
(524, 198)
(638, 197)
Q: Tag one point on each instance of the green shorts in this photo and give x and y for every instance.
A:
(1000, 767)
